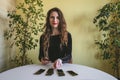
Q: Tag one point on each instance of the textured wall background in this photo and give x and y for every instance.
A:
(5, 5)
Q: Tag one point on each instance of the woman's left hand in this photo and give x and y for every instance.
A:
(57, 63)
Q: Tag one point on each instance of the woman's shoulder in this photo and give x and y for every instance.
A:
(41, 36)
(69, 34)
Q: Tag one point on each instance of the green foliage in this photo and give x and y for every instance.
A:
(108, 22)
(25, 23)
(17, 60)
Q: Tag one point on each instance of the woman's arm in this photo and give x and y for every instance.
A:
(41, 53)
(68, 57)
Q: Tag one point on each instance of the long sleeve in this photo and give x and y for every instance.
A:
(41, 53)
(68, 50)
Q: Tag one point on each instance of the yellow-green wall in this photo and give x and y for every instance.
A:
(79, 16)
(5, 5)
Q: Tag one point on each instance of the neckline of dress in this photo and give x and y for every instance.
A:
(55, 35)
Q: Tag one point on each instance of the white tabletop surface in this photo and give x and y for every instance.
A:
(27, 73)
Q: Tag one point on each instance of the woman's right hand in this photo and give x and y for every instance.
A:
(45, 61)
(57, 63)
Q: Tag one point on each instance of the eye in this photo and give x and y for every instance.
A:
(52, 17)
(58, 17)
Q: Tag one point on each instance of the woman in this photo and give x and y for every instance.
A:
(56, 41)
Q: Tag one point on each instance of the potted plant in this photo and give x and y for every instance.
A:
(24, 24)
(108, 22)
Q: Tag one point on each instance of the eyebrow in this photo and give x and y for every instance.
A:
(54, 16)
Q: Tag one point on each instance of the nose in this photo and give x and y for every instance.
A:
(55, 19)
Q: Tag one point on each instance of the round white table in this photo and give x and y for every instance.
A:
(27, 73)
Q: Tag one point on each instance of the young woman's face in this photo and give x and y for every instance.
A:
(54, 19)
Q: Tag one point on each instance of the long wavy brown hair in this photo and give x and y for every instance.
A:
(48, 30)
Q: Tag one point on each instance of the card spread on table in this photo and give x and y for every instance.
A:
(50, 72)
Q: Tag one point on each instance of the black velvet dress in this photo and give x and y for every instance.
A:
(54, 50)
